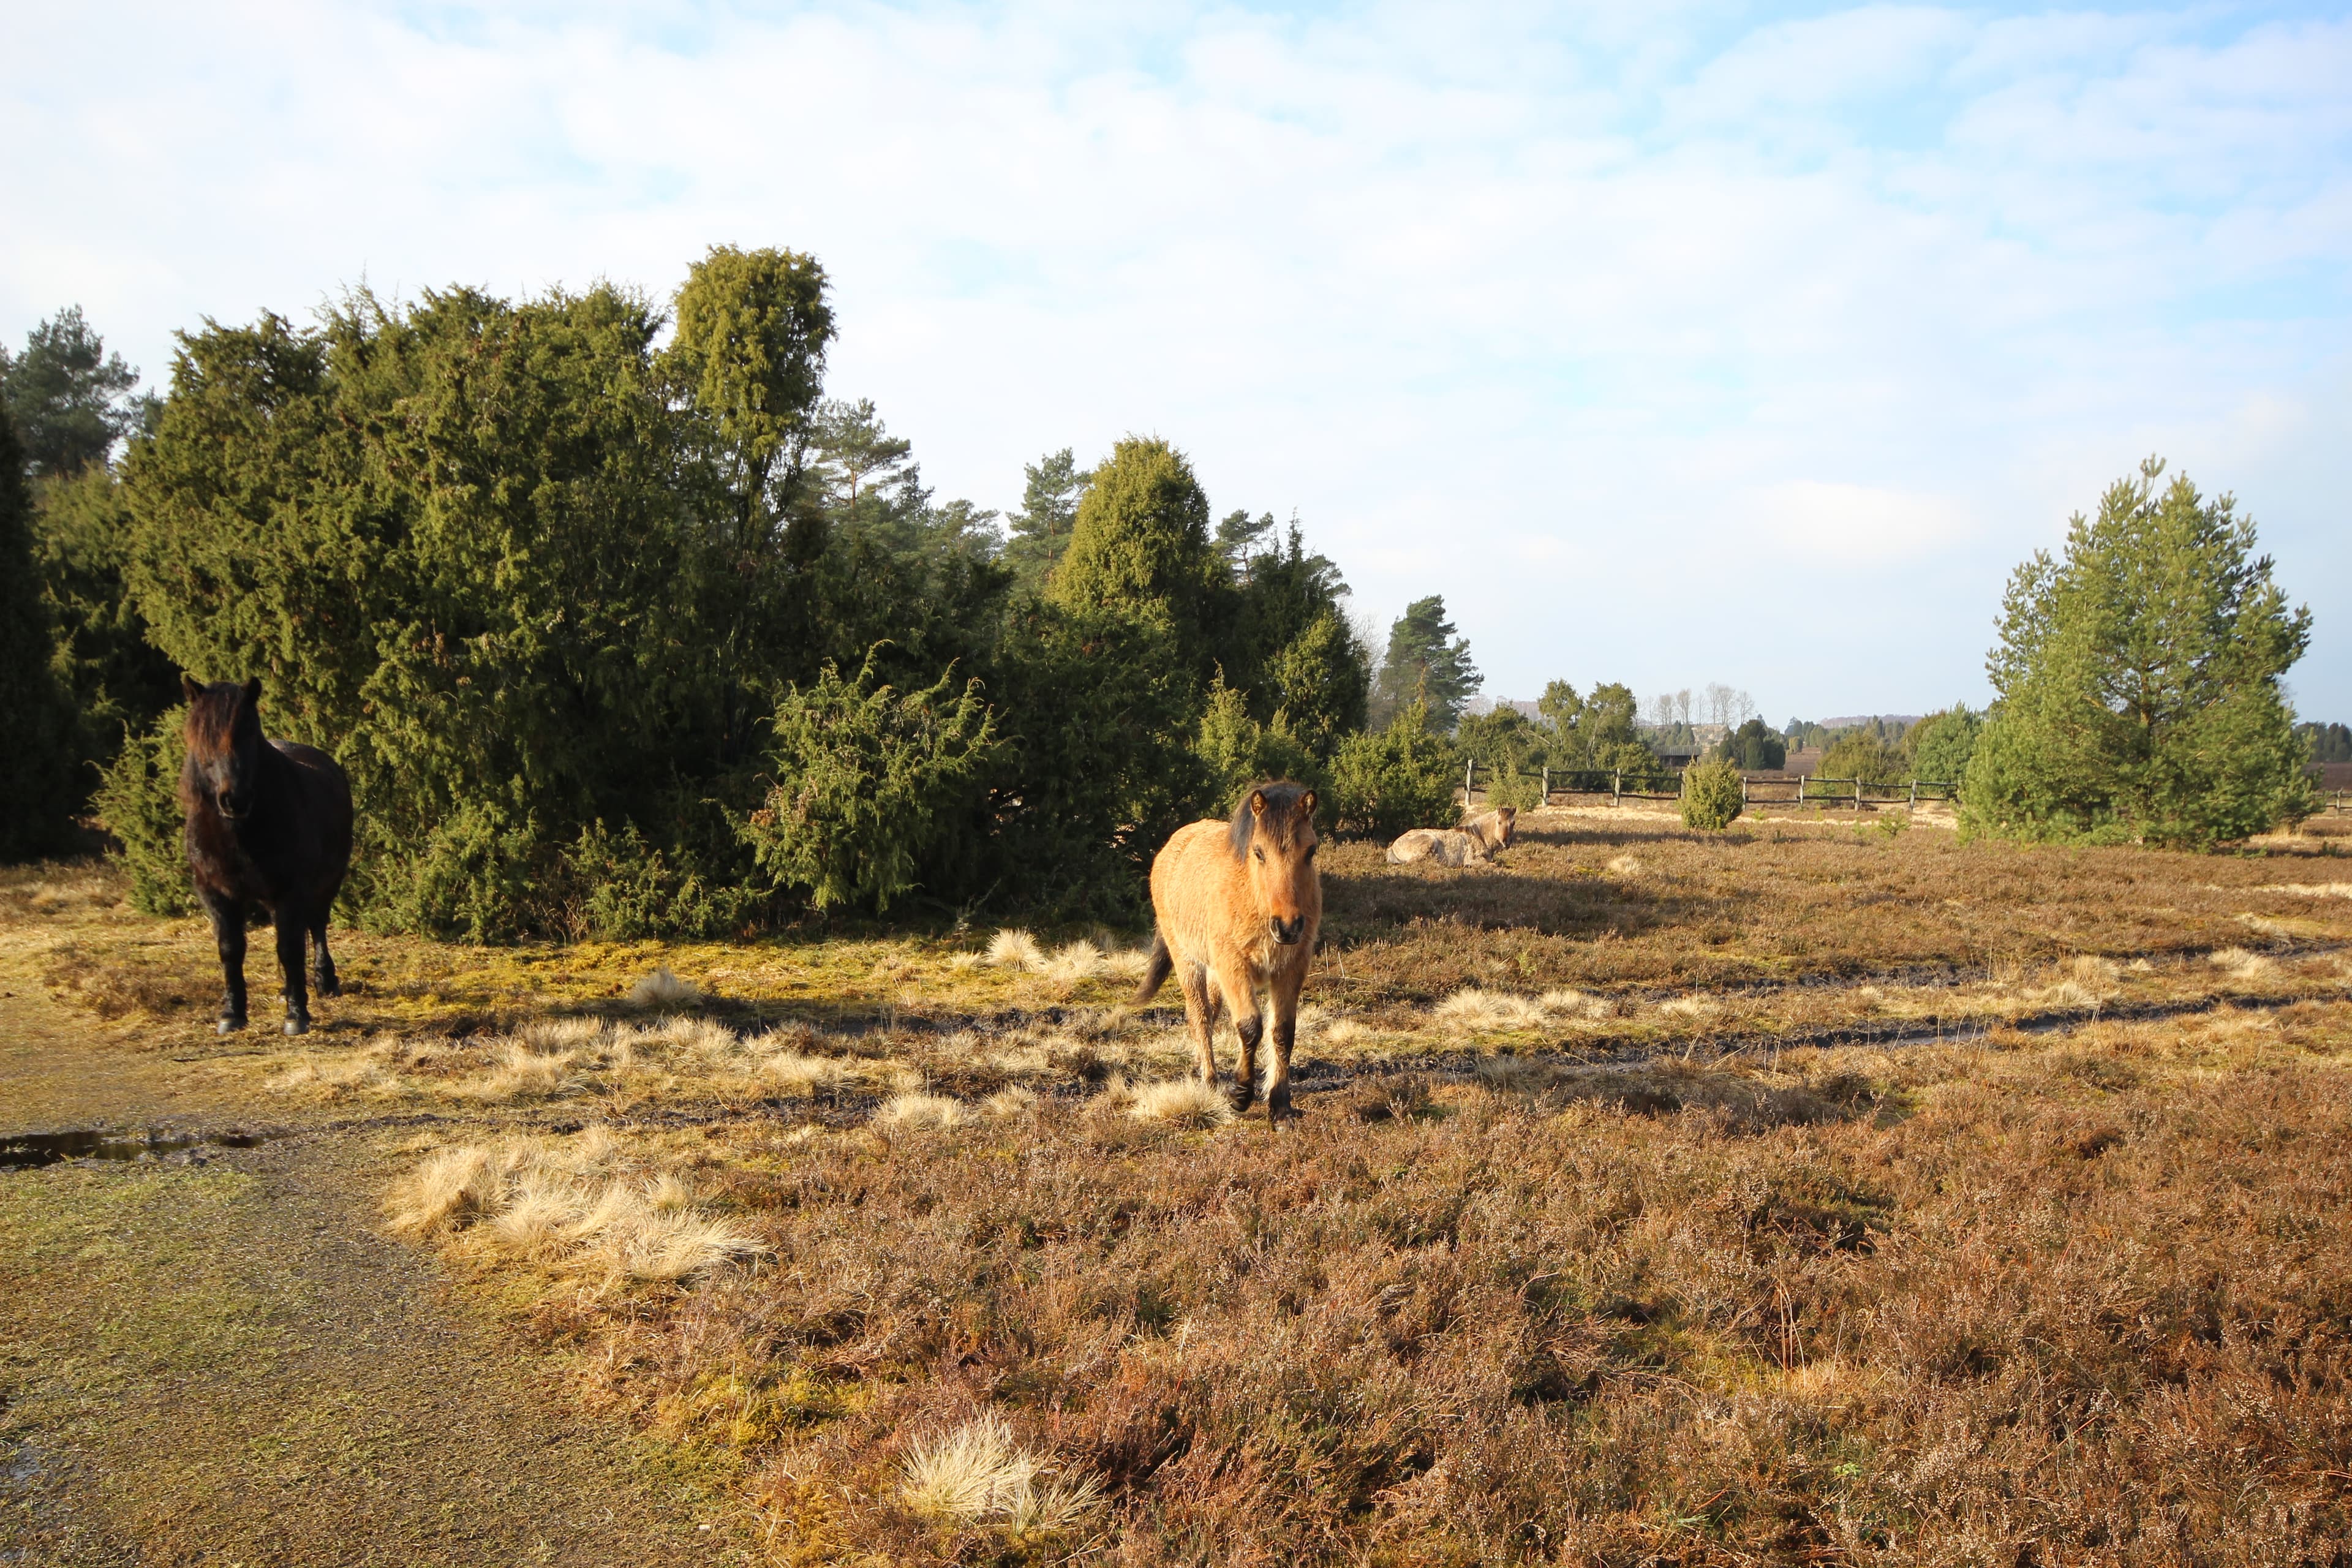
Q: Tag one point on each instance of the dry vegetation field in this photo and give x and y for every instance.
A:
(1802, 1194)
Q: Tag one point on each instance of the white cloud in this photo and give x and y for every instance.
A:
(1690, 317)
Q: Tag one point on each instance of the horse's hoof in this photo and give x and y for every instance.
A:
(297, 1026)
(228, 1026)
(329, 987)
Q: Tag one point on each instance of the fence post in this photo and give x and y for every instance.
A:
(1857, 795)
(1616, 785)
(1469, 780)
(1743, 792)
(1801, 789)
(1547, 784)
(1915, 794)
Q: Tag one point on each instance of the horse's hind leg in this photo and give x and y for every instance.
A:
(1199, 1016)
(290, 930)
(322, 963)
(228, 916)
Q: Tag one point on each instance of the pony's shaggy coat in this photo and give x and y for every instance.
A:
(1476, 839)
(1238, 905)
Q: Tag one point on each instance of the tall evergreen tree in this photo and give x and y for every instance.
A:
(1040, 530)
(1142, 547)
(1427, 658)
(2138, 681)
(69, 398)
(37, 764)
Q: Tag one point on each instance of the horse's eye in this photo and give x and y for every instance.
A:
(1310, 850)
(1259, 853)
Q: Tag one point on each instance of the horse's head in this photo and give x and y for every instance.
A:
(224, 733)
(1507, 820)
(1274, 837)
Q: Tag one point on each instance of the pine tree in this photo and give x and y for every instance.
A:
(2138, 681)
(1427, 661)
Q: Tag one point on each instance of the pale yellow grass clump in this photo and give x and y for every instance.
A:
(917, 1111)
(663, 989)
(1072, 962)
(1625, 866)
(1573, 1005)
(2239, 964)
(1016, 950)
(979, 1473)
(577, 1204)
(2308, 889)
(1472, 1008)
(1686, 1007)
(1181, 1102)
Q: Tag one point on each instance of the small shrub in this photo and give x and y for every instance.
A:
(139, 803)
(1712, 796)
(868, 782)
(1402, 777)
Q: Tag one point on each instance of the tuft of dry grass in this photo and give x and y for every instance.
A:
(663, 989)
(916, 1112)
(1016, 950)
(978, 1472)
(577, 1203)
(1181, 1103)
(2242, 965)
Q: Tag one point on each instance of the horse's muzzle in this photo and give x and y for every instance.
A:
(1288, 932)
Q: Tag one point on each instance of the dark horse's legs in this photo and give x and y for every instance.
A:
(291, 925)
(228, 916)
(322, 966)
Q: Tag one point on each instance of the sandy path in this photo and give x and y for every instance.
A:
(215, 1359)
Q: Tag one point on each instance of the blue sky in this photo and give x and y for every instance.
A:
(1672, 344)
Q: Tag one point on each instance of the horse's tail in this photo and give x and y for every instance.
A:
(1157, 972)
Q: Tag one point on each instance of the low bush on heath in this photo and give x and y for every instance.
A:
(1712, 799)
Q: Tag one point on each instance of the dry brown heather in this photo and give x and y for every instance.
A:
(1805, 1194)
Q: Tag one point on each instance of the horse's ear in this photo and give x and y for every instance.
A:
(253, 692)
(1257, 803)
(1306, 805)
(188, 687)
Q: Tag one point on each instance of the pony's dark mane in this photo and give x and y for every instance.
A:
(1281, 809)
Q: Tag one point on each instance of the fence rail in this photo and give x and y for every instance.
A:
(1857, 794)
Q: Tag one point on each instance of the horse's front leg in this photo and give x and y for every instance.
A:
(1284, 995)
(228, 916)
(1241, 995)
(291, 929)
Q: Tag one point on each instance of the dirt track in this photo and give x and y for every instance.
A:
(215, 1358)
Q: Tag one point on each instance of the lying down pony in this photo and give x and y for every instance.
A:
(1476, 839)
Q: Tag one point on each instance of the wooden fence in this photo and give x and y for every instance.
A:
(1857, 794)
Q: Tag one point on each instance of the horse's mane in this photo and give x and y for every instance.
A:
(1281, 805)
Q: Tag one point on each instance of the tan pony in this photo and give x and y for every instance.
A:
(1238, 905)
(1476, 839)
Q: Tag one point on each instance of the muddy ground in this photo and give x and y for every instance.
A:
(213, 1356)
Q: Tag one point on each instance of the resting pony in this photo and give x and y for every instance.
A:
(268, 826)
(1238, 904)
(1476, 839)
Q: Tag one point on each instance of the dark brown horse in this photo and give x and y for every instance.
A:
(269, 826)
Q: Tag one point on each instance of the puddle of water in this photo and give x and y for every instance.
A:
(29, 1150)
